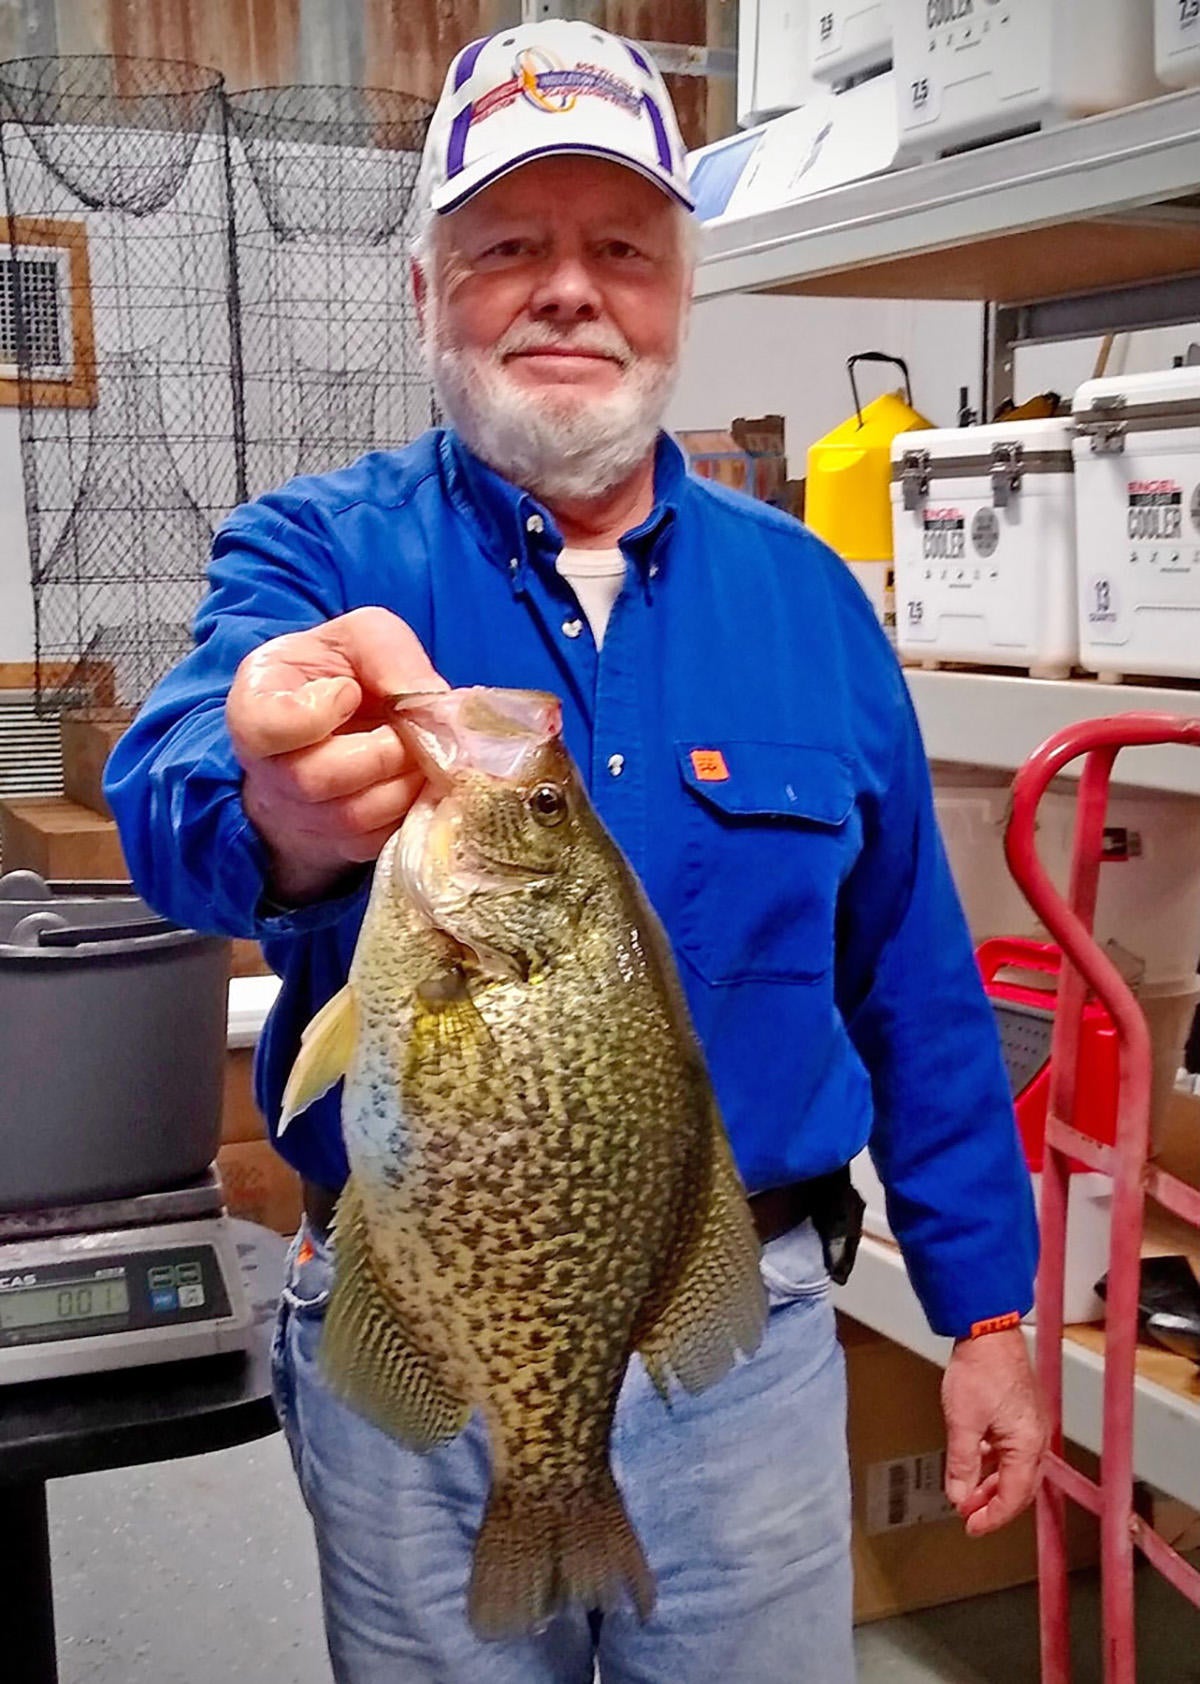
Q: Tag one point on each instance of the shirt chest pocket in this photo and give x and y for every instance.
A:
(766, 839)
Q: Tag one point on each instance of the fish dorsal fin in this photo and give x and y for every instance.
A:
(715, 1303)
(369, 1357)
(326, 1048)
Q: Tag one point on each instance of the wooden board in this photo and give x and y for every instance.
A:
(1028, 264)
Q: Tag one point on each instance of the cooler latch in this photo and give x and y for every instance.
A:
(914, 477)
(1007, 473)
(1105, 431)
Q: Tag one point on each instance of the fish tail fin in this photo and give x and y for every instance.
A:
(537, 1553)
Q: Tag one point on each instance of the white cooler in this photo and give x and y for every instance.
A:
(772, 65)
(984, 525)
(848, 38)
(1137, 467)
(974, 70)
(1177, 42)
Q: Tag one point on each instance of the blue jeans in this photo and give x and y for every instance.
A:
(740, 1497)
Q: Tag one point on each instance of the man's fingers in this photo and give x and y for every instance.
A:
(384, 652)
(379, 808)
(264, 721)
(964, 1452)
(1016, 1486)
(341, 765)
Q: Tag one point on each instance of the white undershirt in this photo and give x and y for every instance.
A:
(596, 577)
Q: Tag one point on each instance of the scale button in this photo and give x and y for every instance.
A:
(188, 1274)
(162, 1276)
(191, 1296)
(164, 1298)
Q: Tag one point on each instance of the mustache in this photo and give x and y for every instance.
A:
(591, 337)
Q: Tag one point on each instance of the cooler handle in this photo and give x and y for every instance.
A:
(876, 357)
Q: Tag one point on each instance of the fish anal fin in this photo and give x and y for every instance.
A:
(369, 1359)
(716, 1306)
(326, 1048)
(538, 1553)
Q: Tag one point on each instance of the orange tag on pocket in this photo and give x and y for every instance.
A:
(709, 765)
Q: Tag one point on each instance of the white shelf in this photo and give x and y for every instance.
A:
(997, 720)
(250, 999)
(1166, 1423)
(1093, 171)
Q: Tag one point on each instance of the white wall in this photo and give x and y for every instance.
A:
(754, 355)
(757, 355)
(16, 596)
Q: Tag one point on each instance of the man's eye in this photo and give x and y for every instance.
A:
(622, 250)
(507, 248)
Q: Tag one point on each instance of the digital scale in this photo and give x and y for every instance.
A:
(119, 1284)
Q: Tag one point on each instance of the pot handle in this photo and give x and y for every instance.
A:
(135, 929)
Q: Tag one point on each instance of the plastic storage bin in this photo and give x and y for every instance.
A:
(848, 38)
(972, 70)
(831, 140)
(1137, 467)
(984, 525)
(1177, 42)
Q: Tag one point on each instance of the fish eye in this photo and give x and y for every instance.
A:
(548, 804)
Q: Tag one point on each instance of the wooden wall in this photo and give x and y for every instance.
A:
(403, 44)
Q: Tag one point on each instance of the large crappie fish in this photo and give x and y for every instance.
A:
(540, 1182)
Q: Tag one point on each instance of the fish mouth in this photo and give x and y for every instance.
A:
(493, 732)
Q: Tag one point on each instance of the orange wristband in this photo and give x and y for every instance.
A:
(995, 1324)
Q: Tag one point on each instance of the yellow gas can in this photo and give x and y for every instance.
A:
(847, 499)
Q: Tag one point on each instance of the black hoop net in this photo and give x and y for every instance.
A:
(118, 309)
(330, 345)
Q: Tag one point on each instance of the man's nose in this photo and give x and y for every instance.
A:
(566, 291)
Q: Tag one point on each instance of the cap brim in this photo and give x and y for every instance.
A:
(468, 182)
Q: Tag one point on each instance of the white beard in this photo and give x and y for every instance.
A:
(566, 446)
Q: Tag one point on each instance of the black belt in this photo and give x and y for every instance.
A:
(828, 1201)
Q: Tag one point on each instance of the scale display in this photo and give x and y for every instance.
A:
(145, 1289)
(70, 1301)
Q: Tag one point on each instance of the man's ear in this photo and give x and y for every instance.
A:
(420, 286)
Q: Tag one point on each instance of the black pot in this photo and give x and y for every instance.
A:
(112, 1045)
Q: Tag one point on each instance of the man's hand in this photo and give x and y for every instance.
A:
(327, 780)
(996, 1430)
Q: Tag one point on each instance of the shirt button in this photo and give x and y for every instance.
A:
(654, 570)
(572, 628)
(535, 523)
(513, 564)
(616, 764)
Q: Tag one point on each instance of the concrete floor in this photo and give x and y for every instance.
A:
(202, 1571)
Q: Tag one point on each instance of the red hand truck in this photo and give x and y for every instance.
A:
(1088, 971)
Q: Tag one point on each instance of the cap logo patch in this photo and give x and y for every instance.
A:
(544, 82)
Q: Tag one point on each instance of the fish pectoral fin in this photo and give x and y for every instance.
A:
(370, 1359)
(326, 1048)
(447, 1023)
(716, 1306)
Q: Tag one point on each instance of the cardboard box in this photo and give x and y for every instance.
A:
(241, 1119)
(750, 457)
(88, 738)
(909, 1548)
(247, 960)
(260, 1186)
(59, 839)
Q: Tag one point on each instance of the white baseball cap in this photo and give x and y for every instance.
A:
(545, 88)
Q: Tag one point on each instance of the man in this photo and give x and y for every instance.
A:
(747, 738)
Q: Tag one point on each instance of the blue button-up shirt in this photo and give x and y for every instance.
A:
(747, 738)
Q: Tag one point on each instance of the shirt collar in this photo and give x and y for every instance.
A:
(520, 531)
